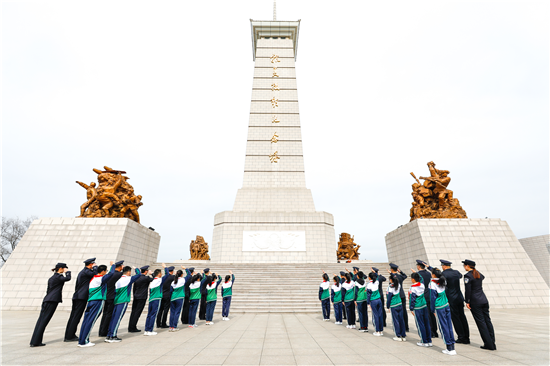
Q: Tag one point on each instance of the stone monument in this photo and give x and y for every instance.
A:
(511, 277)
(109, 231)
(538, 249)
(274, 218)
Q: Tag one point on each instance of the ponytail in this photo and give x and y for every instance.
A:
(394, 282)
(441, 281)
(325, 277)
(476, 274)
(348, 277)
(179, 273)
(336, 281)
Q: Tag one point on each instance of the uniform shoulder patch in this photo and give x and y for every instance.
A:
(466, 279)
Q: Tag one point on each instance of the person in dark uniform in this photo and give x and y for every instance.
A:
(401, 276)
(185, 309)
(202, 309)
(381, 292)
(342, 280)
(162, 316)
(50, 302)
(109, 305)
(426, 278)
(477, 302)
(141, 292)
(456, 302)
(80, 298)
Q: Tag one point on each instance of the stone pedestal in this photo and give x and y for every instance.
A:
(511, 277)
(537, 248)
(70, 240)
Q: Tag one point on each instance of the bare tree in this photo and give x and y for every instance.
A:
(13, 230)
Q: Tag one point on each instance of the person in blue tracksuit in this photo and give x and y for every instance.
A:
(381, 280)
(324, 297)
(361, 301)
(342, 280)
(194, 298)
(123, 296)
(97, 293)
(155, 298)
(211, 290)
(393, 302)
(336, 298)
(227, 293)
(418, 307)
(177, 296)
(348, 288)
(373, 299)
(439, 305)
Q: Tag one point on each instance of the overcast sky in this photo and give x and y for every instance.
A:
(161, 89)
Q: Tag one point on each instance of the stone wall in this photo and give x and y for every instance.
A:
(511, 278)
(70, 240)
(538, 250)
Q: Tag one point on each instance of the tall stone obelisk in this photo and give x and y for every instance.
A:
(274, 218)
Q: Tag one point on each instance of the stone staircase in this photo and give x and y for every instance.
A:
(273, 287)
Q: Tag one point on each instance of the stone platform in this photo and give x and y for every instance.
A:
(511, 277)
(70, 240)
(275, 339)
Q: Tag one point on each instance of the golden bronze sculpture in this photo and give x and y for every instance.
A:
(114, 196)
(432, 200)
(199, 249)
(347, 249)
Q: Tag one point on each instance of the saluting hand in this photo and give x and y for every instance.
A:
(112, 262)
(163, 265)
(413, 271)
(230, 272)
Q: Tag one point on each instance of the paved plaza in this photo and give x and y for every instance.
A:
(276, 339)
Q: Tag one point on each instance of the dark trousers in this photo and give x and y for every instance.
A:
(79, 306)
(108, 307)
(422, 320)
(350, 310)
(338, 311)
(210, 306)
(484, 325)
(384, 315)
(118, 312)
(93, 311)
(405, 313)
(363, 311)
(193, 305)
(445, 325)
(344, 315)
(433, 322)
(226, 304)
(137, 309)
(185, 311)
(46, 313)
(175, 310)
(152, 312)
(325, 304)
(377, 319)
(459, 320)
(202, 309)
(162, 316)
(398, 322)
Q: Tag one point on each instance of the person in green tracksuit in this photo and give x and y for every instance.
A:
(211, 289)
(194, 298)
(123, 296)
(227, 293)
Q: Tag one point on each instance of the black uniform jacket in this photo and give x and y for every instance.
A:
(166, 293)
(452, 289)
(141, 287)
(474, 290)
(55, 286)
(427, 277)
(401, 277)
(83, 283)
(111, 290)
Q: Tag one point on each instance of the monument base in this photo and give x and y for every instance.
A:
(70, 240)
(511, 278)
(273, 237)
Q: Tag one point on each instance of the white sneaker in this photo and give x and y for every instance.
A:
(348, 326)
(378, 334)
(353, 326)
(226, 318)
(152, 333)
(420, 344)
(211, 323)
(429, 345)
(175, 329)
(89, 344)
(403, 339)
(195, 325)
(397, 339)
(450, 353)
